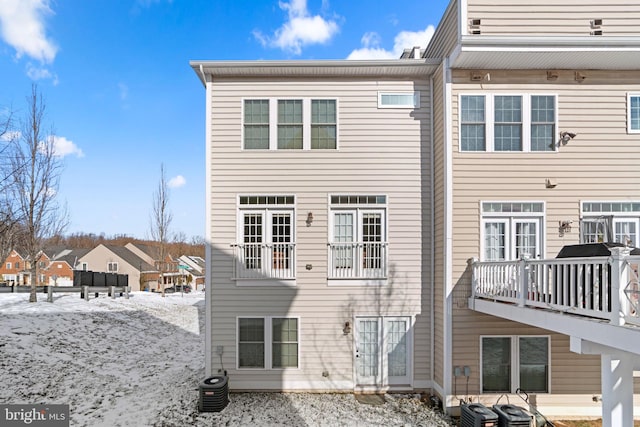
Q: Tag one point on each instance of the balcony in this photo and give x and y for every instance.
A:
(595, 287)
(358, 260)
(259, 261)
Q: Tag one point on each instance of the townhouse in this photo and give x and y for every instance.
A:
(347, 201)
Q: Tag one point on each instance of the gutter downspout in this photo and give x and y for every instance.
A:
(432, 316)
(208, 346)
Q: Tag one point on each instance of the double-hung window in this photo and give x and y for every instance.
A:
(633, 112)
(510, 363)
(112, 267)
(512, 230)
(610, 222)
(256, 124)
(266, 245)
(268, 342)
(507, 122)
(290, 124)
(358, 239)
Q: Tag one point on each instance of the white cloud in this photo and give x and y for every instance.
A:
(40, 73)
(22, 26)
(124, 91)
(403, 40)
(177, 181)
(301, 29)
(63, 147)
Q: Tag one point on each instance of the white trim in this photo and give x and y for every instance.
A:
(208, 346)
(273, 123)
(268, 342)
(489, 121)
(447, 294)
(414, 105)
(629, 96)
(432, 244)
(514, 381)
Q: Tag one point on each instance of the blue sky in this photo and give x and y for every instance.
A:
(122, 99)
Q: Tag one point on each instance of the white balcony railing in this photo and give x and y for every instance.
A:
(264, 261)
(353, 260)
(600, 287)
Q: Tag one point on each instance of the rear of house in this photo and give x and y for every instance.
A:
(318, 186)
(539, 146)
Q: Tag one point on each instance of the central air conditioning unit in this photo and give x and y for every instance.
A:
(477, 415)
(213, 394)
(512, 416)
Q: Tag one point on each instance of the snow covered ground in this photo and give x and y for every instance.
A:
(138, 362)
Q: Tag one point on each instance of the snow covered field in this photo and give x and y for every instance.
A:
(138, 362)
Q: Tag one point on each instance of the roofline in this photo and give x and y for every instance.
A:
(552, 42)
(315, 68)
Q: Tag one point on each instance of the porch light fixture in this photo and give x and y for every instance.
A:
(347, 328)
(309, 219)
(564, 227)
(565, 137)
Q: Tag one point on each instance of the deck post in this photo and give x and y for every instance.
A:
(619, 278)
(472, 265)
(49, 293)
(523, 282)
(617, 390)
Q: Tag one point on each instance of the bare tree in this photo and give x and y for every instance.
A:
(8, 221)
(36, 175)
(160, 222)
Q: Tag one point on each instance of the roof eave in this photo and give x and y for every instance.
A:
(509, 52)
(326, 68)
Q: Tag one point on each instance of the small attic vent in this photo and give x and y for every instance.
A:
(596, 32)
(596, 24)
(474, 25)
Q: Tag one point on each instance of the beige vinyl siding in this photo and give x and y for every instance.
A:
(439, 223)
(446, 36)
(600, 163)
(378, 153)
(552, 17)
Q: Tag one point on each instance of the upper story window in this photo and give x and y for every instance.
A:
(511, 230)
(265, 247)
(8, 266)
(507, 122)
(610, 222)
(256, 124)
(358, 237)
(290, 124)
(399, 99)
(112, 267)
(633, 112)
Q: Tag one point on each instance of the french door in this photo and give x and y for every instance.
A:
(267, 241)
(383, 351)
(511, 238)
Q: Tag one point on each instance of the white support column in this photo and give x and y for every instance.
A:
(619, 279)
(617, 390)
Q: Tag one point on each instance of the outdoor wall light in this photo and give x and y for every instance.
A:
(309, 219)
(347, 328)
(566, 137)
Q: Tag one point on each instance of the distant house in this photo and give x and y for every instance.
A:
(59, 272)
(12, 268)
(193, 266)
(119, 259)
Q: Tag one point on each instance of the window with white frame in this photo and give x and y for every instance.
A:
(511, 230)
(358, 237)
(290, 124)
(112, 267)
(399, 99)
(510, 363)
(8, 266)
(268, 342)
(633, 112)
(266, 243)
(507, 122)
(612, 221)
